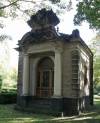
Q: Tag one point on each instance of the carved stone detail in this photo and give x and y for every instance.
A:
(43, 18)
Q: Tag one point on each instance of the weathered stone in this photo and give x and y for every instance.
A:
(72, 75)
(43, 18)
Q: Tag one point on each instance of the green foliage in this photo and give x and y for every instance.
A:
(25, 8)
(3, 37)
(1, 76)
(13, 74)
(95, 44)
(15, 8)
(97, 74)
(55, 1)
(88, 10)
(0, 82)
(8, 91)
(1, 13)
(8, 98)
(8, 74)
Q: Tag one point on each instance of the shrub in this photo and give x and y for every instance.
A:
(8, 97)
(0, 81)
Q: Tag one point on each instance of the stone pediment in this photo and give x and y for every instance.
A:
(38, 36)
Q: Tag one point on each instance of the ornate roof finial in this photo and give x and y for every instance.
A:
(43, 18)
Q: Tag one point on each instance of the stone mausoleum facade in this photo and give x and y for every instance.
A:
(55, 72)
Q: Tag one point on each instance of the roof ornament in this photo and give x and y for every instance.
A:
(75, 33)
(42, 19)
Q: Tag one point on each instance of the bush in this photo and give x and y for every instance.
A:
(0, 81)
(13, 91)
(8, 97)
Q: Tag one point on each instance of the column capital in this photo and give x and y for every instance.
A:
(58, 50)
(26, 54)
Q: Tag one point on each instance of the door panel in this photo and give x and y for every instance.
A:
(45, 78)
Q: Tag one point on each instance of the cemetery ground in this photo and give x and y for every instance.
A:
(9, 115)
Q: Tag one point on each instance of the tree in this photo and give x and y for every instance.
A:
(24, 8)
(95, 47)
(14, 7)
(0, 82)
(88, 10)
(97, 74)
(8, 74)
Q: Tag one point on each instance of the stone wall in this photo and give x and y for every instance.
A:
(66, 72)
(68, 90)
(82, 92)
(84, 64)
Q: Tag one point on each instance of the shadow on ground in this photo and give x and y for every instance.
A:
(9, 115)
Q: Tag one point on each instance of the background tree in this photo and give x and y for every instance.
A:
(95, 47)
(25, 8)
(0, 81)
(8, 73)
(88, 10)
(97, 74)
(15, 7)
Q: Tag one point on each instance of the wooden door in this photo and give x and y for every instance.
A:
(45, 78)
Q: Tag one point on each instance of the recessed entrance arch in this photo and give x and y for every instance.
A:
(45, 78)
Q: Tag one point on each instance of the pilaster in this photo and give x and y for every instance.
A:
(25, 75)
(58, 74)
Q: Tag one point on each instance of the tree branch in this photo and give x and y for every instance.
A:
(30, 1)
(21, 10)
(5, 6)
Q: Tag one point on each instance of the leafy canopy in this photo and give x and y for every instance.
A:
(25, 8)
(14, 8)
(95, 44)
(88, 10)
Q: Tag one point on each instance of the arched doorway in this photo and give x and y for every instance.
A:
(45, 78)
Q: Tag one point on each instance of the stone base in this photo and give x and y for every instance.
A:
(54, 106)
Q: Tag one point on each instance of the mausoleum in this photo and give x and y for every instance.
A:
(55, 71)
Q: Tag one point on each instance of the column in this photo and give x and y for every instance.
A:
(32, 76)
(57, 75)
(25, 75)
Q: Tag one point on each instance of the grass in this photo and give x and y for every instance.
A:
(9, 115)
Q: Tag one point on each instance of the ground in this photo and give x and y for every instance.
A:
(9, 115)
